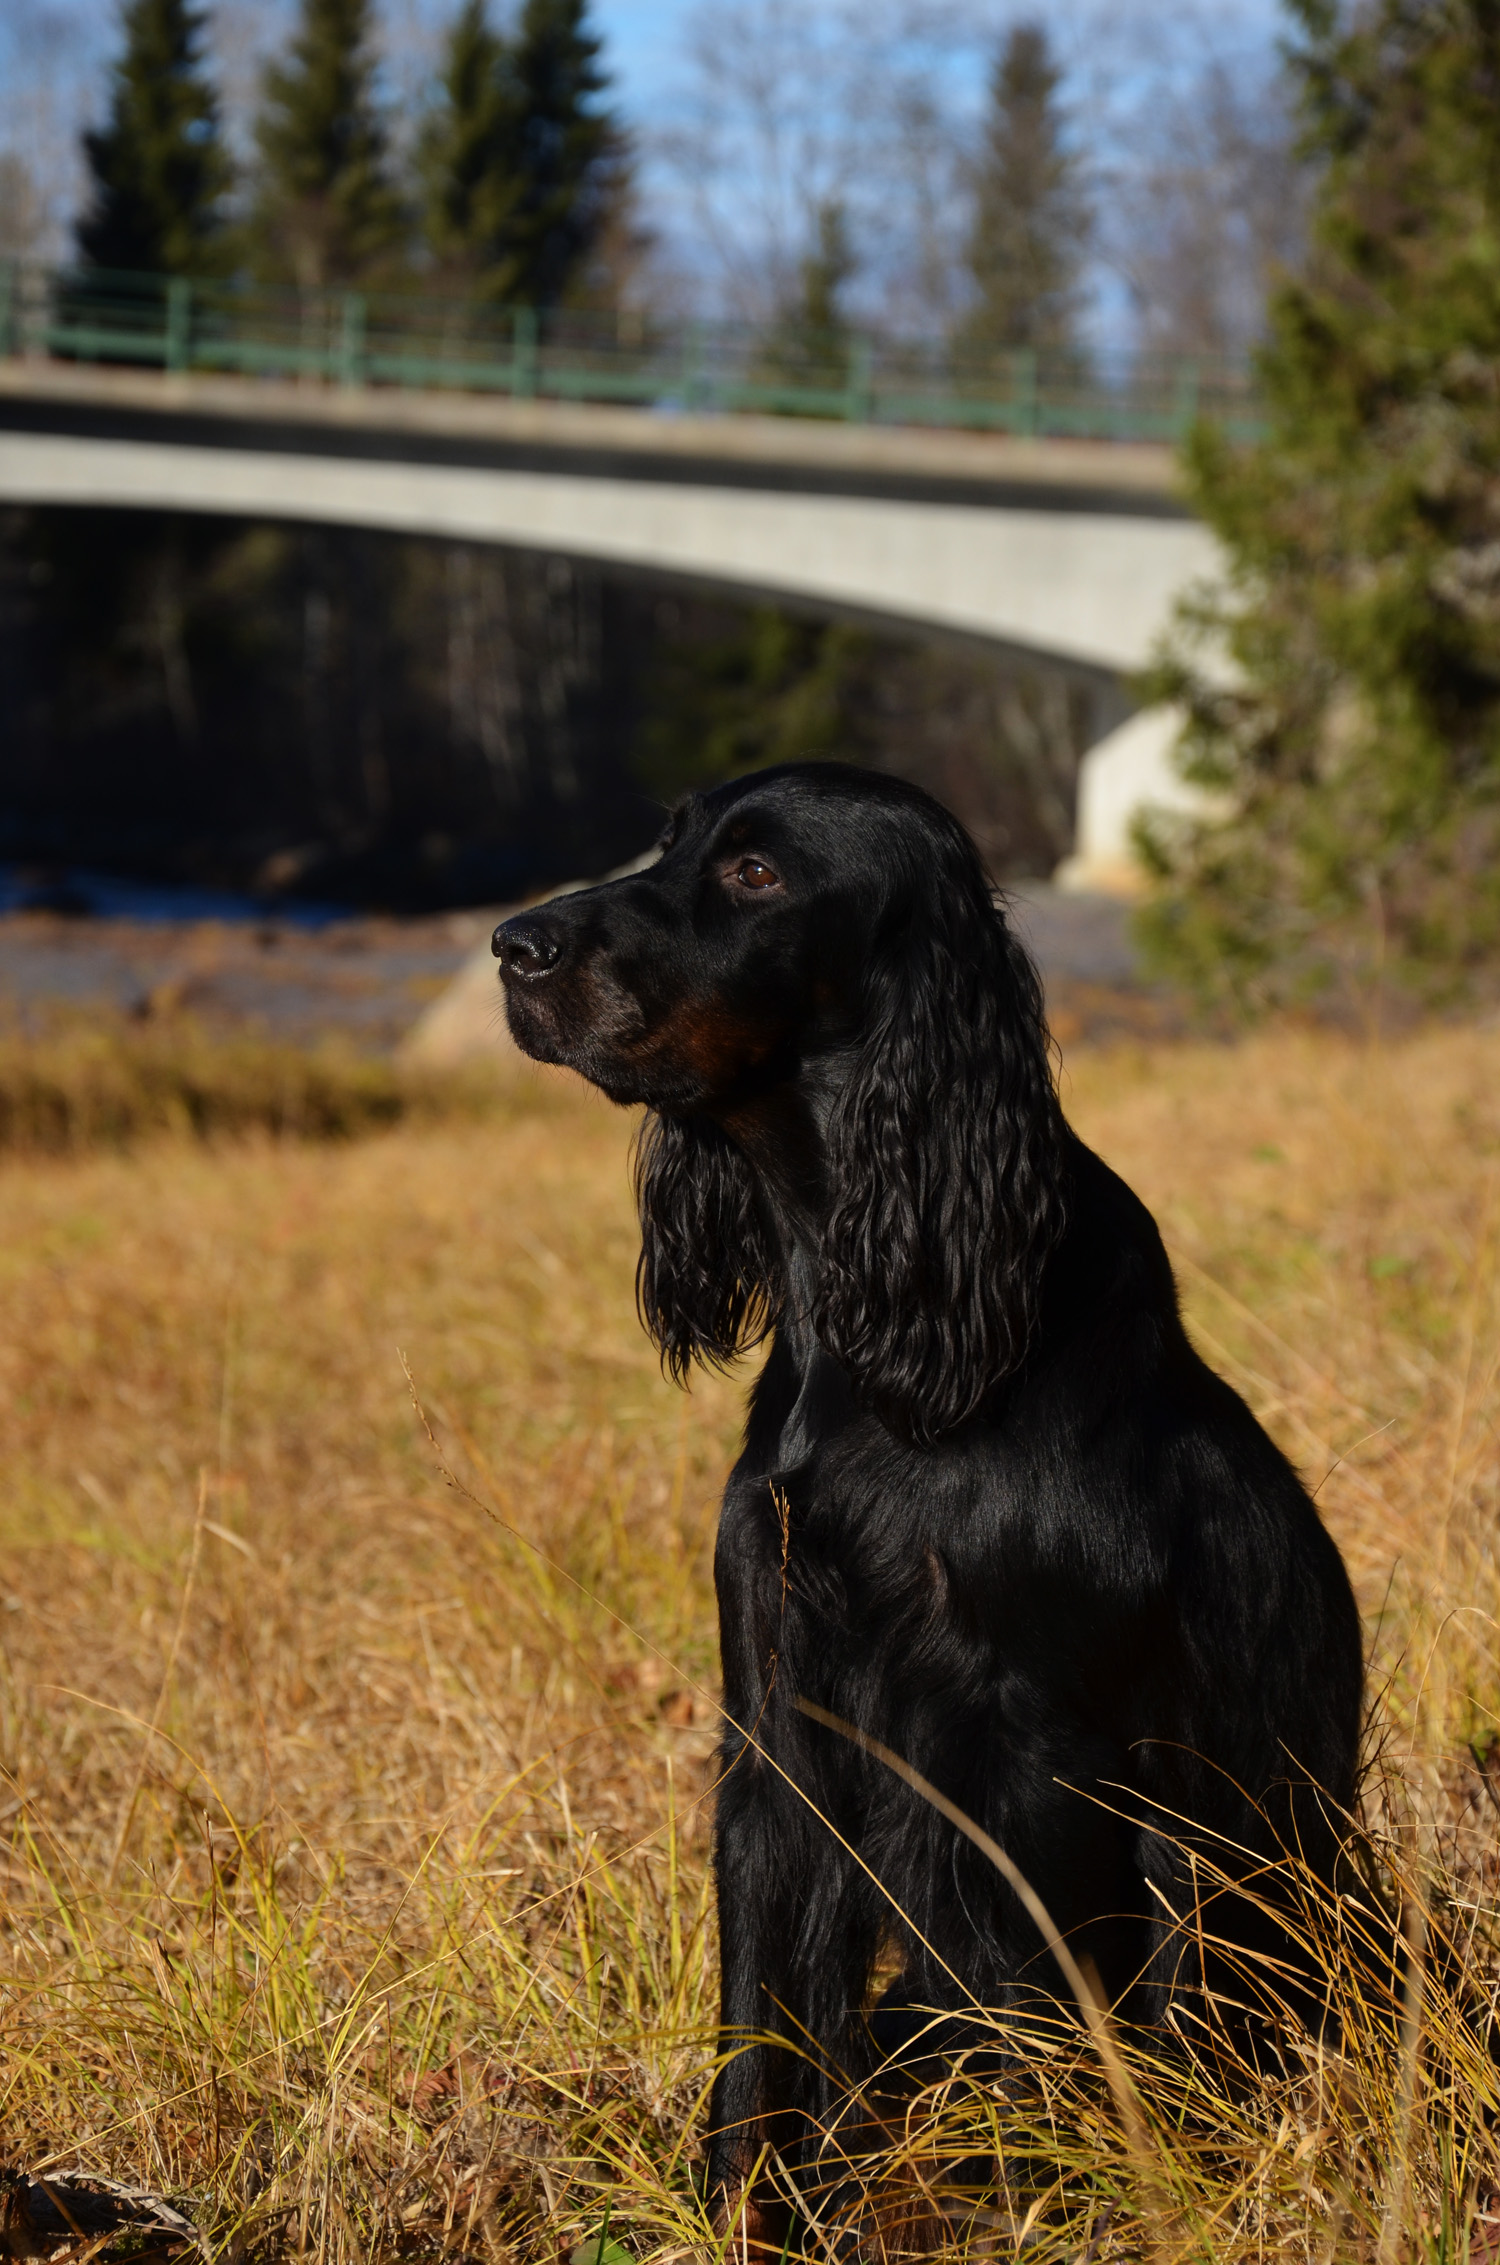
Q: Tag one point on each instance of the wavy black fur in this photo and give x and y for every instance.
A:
(943, 1160)
(709, 1281)
(943, 1146)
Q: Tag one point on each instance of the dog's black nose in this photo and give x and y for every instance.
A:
(525, 947)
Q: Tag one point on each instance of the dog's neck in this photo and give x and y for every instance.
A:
(783, 1136)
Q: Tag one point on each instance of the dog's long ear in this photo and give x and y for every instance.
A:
(708, 1284)
(946, 1158)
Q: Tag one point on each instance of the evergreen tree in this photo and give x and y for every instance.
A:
(467, 154)
(1031, 220)
(567, 151)
(772, 687)
(812, 340)
(522, 165)
(1354, 733)
(328, 211)
(158, 166)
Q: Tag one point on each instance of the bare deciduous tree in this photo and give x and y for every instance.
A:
(1210, 217)
(1199, 192)
(1181, 126)
(47, 58)
(22, 214)
(788, 111)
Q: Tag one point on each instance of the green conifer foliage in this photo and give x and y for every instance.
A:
(521, 165)
(773, 688)
(467, 155)
(567, 150)
(327, 211)
(158, 165)
(1031, 219)
(811, 342)
(1343, 686)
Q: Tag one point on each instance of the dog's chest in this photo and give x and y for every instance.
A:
(855, 1544)
(821, 1411)
(858, 1535)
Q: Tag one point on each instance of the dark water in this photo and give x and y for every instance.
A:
(1079, 938)
(75, 893)
(86, 943)
(292, 977)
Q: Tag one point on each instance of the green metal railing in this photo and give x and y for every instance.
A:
(358, 339)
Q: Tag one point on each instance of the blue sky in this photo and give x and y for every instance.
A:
(643, 37)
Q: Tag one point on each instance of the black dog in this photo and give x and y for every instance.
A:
(992, 1508)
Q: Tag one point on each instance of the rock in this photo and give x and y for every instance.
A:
(465, 1022)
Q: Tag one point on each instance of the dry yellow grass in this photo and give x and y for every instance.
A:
(91, 1081)
(352, 1824)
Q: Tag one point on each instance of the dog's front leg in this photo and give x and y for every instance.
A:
(788, 1976)
(794, 1926)
(756, 1844)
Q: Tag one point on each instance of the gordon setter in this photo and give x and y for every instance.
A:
(992, 1509)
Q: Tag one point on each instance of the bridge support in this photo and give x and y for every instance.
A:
(1130, 770)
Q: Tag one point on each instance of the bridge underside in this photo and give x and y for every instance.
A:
(1082, 586)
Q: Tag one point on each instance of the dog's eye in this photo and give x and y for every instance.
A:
(754, 873)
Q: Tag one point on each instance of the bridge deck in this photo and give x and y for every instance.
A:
(805, 453)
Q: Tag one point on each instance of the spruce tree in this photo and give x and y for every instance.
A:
(812, 340)
(158, 168)
(771, 687)
(327, 211)
(1030, 225)
(1343, 685)
(466, 156)
(567, 148)
(521, 162)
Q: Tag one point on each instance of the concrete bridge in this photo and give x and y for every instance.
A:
(1067, 551)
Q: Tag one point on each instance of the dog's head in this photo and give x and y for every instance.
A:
(708, 977)
(817, 928)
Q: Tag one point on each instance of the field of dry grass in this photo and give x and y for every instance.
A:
(89, 1081)
(352, 1830)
